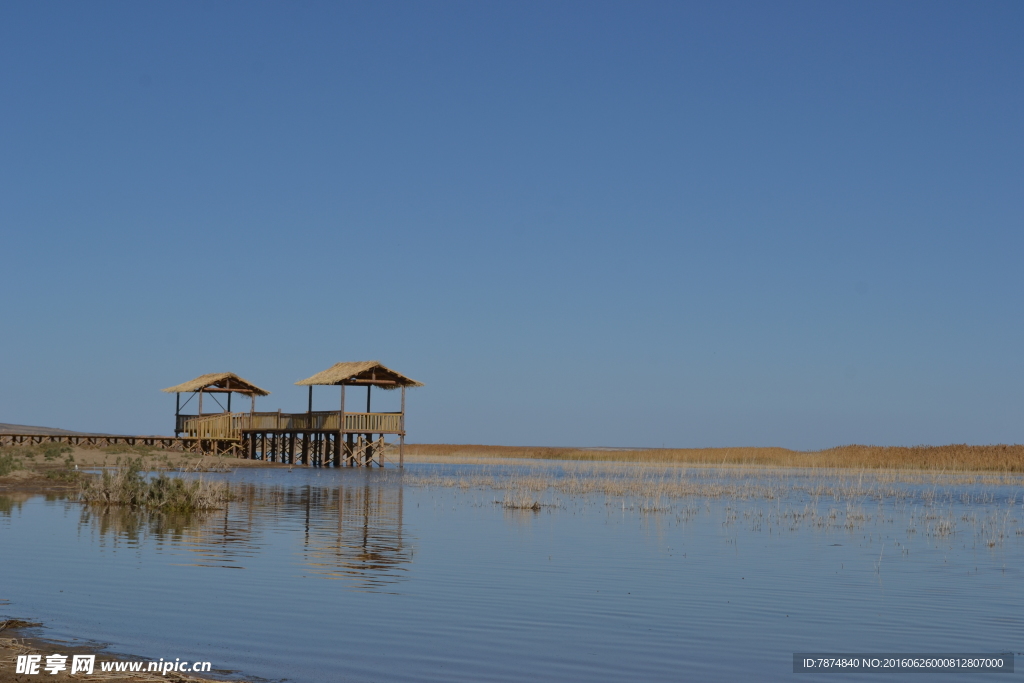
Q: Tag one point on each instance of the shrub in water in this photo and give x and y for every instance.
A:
(127, 486)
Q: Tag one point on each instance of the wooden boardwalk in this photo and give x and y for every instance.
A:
(170, 443)
(313, 447)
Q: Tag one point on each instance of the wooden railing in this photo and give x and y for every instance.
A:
(373, 423)
(231, 425)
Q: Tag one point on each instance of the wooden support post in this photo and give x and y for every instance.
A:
(401, 435)
(304, 456)
(200, 401)
(368, 387)
(253, 408)
(341, 421)
(310, 411)
(177, 412)
(229, 402)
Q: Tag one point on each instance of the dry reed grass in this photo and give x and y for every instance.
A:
(520, 499)
(823, 499)
(951, 458)
(127, 486)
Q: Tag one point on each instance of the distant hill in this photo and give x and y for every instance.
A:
(26, 429)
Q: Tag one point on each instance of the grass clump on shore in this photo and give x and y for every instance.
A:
(8, 463)
(127, 486)
(18, 456)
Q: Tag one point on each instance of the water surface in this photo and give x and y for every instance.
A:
(368, 575)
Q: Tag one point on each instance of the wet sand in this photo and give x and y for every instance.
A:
(21, 638)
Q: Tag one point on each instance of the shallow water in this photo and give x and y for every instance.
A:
(376, 576)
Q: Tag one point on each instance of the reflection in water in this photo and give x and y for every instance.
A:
(118, 525)
(351, 532)
(10, 503)
(363, 541)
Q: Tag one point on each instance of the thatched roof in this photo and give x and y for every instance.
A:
(224, 381)
(361, 373)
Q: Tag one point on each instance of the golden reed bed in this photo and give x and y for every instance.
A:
(955, 457)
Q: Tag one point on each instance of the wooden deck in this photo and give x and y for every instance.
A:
(232, 425)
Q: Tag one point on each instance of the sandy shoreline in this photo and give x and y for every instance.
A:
(18, 637)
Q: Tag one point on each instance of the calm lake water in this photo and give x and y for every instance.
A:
(373, 575)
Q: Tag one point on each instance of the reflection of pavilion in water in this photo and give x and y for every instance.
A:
(351, 532)
(357, 535)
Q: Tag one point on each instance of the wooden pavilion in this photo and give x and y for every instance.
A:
(211, 426)
(356, 428)
(318, 438)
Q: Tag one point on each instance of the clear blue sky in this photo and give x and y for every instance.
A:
(713, 224)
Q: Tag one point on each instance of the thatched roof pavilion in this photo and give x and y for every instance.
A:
(369, 374)
(318, 438)
(218, 382)
(361, 373)
(212, 383)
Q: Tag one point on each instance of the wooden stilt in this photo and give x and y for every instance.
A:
(341, 429)
(401, 435)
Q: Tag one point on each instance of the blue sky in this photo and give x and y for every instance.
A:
(715, 224)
